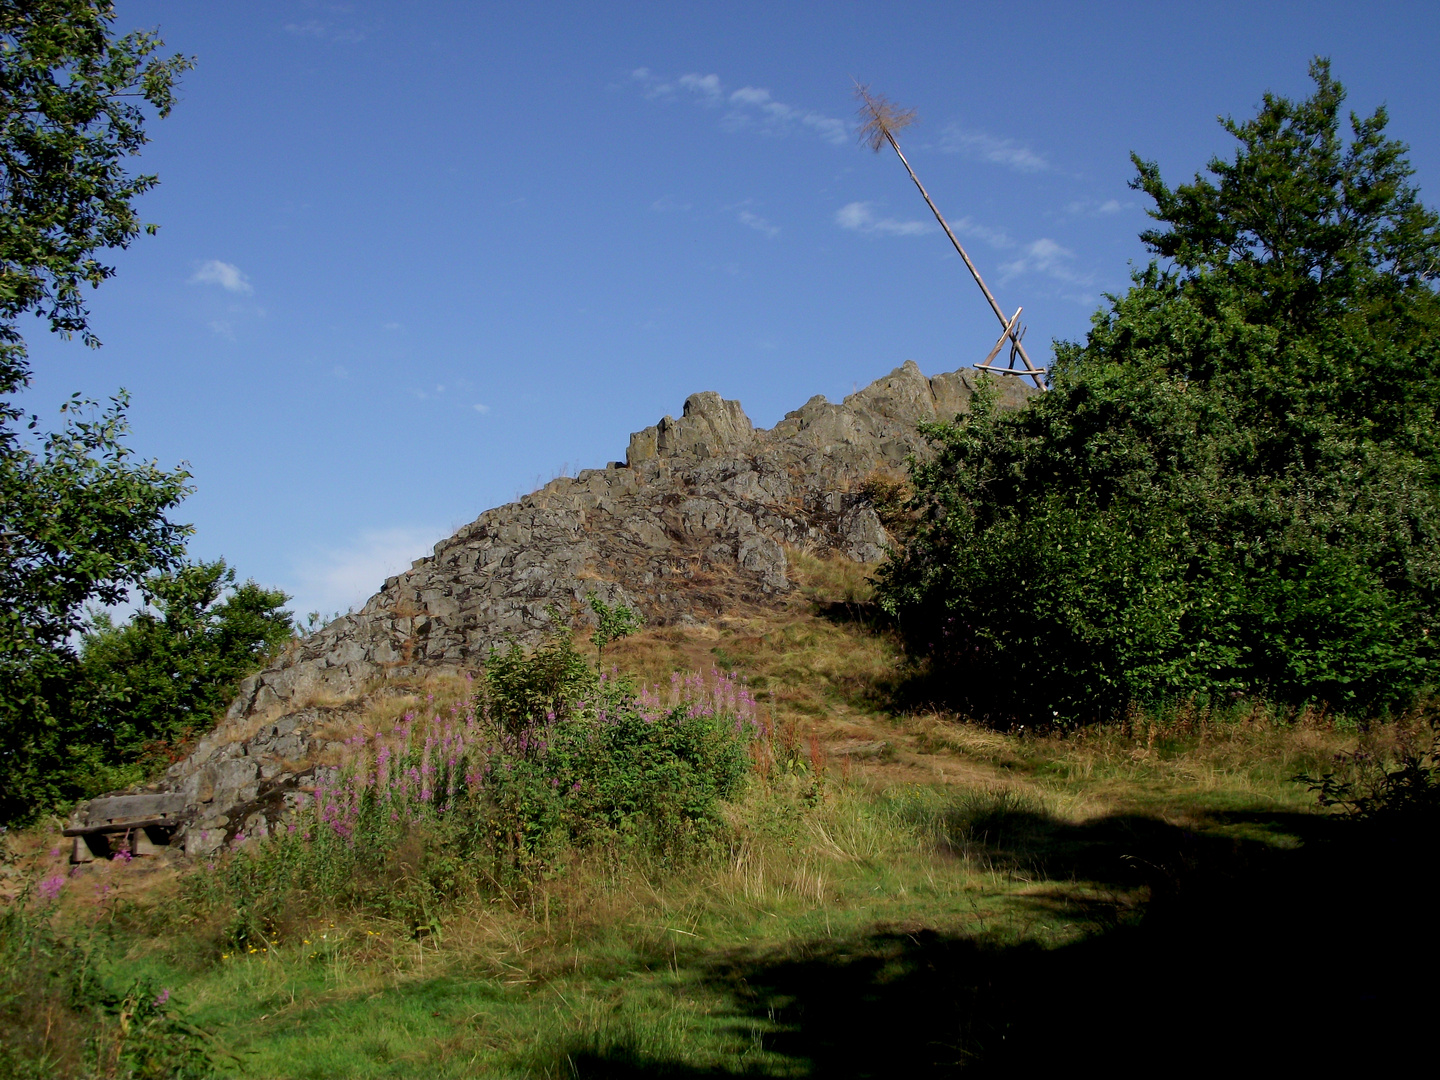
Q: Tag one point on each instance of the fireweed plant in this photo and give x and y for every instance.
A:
(471, 802)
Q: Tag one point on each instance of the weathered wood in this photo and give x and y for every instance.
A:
(1012, 371)
(131, 807)
(120, 826)
(960, 250)
(1004, 337)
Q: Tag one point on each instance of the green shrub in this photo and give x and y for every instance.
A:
(166, 674)
(544, 758)
(68, 1010)
(1400, 793)
(1233, 487)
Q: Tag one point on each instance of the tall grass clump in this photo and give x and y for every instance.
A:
(68, 1010)
(543, 760)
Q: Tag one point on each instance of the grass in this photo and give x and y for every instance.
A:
(901, 894)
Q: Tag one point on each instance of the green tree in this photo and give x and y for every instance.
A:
(1234, 484)
(80, 520)
(69, 118)
(167, 672)
(611, 624)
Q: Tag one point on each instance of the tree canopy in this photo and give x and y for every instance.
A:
(70, 116)
(164, 675)
(81, 521)
(1233, 486)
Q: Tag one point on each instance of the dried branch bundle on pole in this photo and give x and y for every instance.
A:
(883, 118)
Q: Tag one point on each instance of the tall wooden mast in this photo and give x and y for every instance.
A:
(882, 119)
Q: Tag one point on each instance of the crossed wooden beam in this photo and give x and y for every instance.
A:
(882, 119)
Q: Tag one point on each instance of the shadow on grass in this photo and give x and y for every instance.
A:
(863, 613)
(1246, 956)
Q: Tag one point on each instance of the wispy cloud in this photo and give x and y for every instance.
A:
(323, 31)
(1045, 256)
(1096, 208)
(859, 217)
(753, 107)
(228, 276)
(668, 204)
(705, 87)
(758, 223)
(337, 579)
(481, 409)
(996, 238)
(982, 146)
(750, 108)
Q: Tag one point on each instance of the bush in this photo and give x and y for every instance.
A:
(1398, 792)
(153, 682)
(1233, 487)
(544, 758)
(66, 1012)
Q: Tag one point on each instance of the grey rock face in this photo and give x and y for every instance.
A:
(694, 524)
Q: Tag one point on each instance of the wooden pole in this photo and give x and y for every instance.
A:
(1031, 369)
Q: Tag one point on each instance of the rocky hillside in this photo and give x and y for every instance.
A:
(693, 524)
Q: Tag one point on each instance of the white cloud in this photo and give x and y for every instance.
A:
(983, 146)
(859, 217)
(228, 276)
(481, 409)
(705, 87)
(654, 87)
(753, 107)
(341, 578)
(996, 238)
(750, 95)
(1091, 208)
(1045, 256)
(756, 222)
(668, 204)
(392, 326)
(314, 28)
(749, 108)
(309, 28)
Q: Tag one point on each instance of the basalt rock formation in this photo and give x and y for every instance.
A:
(692, 525)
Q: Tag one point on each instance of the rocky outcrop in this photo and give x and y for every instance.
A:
(693, 524)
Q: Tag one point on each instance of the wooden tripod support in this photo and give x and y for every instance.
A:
(1009, 334)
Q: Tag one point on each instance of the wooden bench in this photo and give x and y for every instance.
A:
(140, 824)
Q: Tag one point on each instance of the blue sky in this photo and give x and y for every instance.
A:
(416, 258)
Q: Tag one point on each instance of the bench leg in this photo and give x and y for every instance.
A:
(141, 844)
(81, 852)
